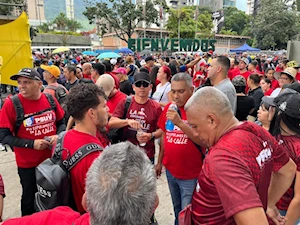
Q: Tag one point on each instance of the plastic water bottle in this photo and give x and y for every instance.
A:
(140, 132)
(169, 123)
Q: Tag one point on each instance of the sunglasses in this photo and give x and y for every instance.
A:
(141, 83)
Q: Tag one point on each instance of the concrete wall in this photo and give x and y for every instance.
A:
(57, 40)
(293, 50)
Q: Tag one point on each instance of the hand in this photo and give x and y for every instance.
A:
(53, 139)
(134, 124)
(41, 144)
(274, 215)
(144, 138)
(158, 168)
(173, 116)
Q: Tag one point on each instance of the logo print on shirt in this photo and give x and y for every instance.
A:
(264, 155)
(28, 122)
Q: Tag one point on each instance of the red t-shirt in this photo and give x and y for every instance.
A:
(236, 174)
(114, 101)
(78, 172)
(291, 145)
(269, 92)
(233, 72)
(87, 76)
(181, 157)
(62, 215)
(298, 77)
(35, 127)
(274, 84)
(196, 82)
(147, 114)
(246, 74)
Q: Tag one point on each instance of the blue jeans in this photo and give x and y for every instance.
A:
(181, 192)
(283, 213)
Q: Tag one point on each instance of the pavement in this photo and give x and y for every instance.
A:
(8, 169)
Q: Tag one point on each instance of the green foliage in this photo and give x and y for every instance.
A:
(228, 32)
(8, 10)
(65, 24)
(275, 24)
(122, 16)
(185, 16)
(235, 20)
(60, 23)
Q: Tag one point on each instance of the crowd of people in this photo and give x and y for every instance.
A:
(231, 153)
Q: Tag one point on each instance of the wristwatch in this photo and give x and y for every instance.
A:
(152, 136)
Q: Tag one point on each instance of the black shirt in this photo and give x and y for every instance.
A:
(257, 95)
(244, 105)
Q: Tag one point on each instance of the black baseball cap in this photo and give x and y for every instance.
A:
(295, 86)
(149, 58)
(142, 76)
(288, 102)
(28, 73)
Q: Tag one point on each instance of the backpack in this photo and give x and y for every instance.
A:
(134, 71)
(20, 110)
(53, 176)
(60, 92)
(115, 135)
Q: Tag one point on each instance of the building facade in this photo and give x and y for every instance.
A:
(36, 12)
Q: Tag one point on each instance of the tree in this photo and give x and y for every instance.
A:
(9, 10)
(275, 24)
(63, 23)
(235, 20)
(228, 32)
(123, 16)
(189, 20)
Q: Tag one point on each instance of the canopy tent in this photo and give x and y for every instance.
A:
(245, 48)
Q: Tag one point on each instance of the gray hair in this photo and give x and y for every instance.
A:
(183, 77)
(210, 98)
(121, 187)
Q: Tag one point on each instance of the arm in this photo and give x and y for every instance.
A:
(193, 63)
(293, 212)
(251, 216)
(116, 122)
(70, 123)
(1, 207)
(6, 137)
(280, 182)
(158, 166)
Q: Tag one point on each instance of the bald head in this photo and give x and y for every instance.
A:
(210, 99)
(209, 115)
(86, 68)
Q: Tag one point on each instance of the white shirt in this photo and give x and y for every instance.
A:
(161, 93)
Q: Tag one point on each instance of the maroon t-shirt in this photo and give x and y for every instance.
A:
(291, 145)
(236, 174)
(147, 114)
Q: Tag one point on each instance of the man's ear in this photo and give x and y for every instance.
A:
(83, 202)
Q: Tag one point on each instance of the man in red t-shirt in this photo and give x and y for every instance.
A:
(244, 62)
(233, 184)
(114, 96)
(90, 112)
(86, 70)
(178, 152)
(112, 185)
(40, 120)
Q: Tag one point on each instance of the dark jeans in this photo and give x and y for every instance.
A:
(28, 182)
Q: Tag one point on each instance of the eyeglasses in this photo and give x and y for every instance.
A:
(141, 83)
(283, 78)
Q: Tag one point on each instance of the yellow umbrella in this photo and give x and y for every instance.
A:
(60, 49)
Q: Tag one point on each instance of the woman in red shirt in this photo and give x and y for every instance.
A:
(266, 85)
